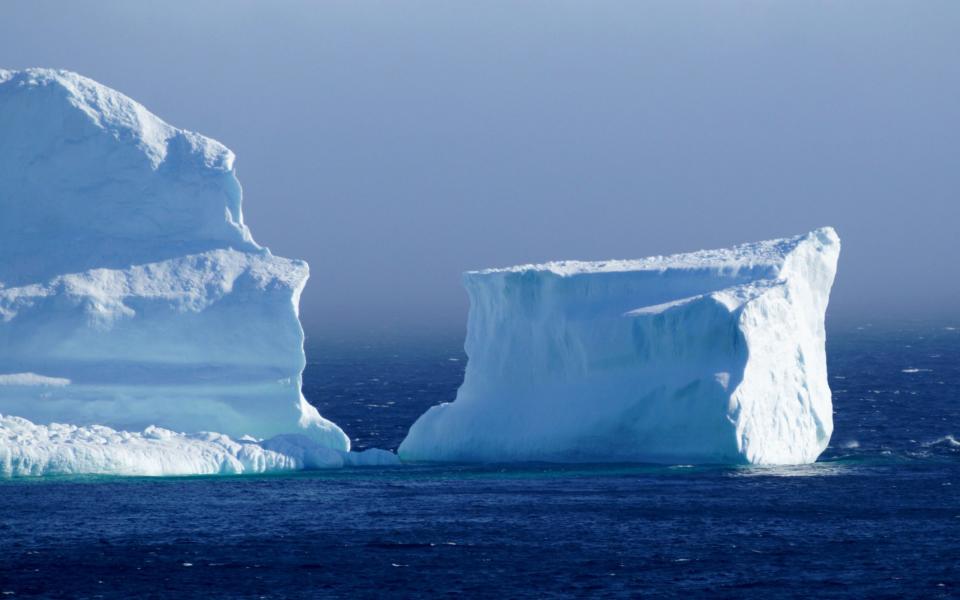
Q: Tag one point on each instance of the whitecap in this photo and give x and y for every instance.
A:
(947, 440)
(32, 379)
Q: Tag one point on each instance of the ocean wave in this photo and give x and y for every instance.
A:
(947, 440)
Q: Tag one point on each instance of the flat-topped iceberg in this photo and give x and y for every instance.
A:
(132, 294)
(708, 357)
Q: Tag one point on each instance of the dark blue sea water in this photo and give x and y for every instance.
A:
(878, 516)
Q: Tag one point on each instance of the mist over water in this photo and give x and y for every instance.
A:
(893, 385)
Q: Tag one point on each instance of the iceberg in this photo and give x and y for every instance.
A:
(132, 293)
(707, 357)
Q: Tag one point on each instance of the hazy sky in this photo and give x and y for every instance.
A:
(395, 144)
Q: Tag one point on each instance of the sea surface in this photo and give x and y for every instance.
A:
(878, 516)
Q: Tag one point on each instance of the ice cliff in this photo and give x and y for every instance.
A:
(708, 357)
(131, 291)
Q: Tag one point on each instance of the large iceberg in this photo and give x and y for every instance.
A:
(132, 294)
(707, 357)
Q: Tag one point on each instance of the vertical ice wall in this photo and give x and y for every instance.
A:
(709, 357)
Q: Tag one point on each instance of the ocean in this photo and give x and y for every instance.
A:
(878, 516)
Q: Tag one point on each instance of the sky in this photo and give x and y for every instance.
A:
(394, 145)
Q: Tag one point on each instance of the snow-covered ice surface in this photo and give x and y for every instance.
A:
(58, 449)
(708, 357)
(133, 295)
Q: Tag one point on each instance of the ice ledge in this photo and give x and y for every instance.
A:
(28, 449)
